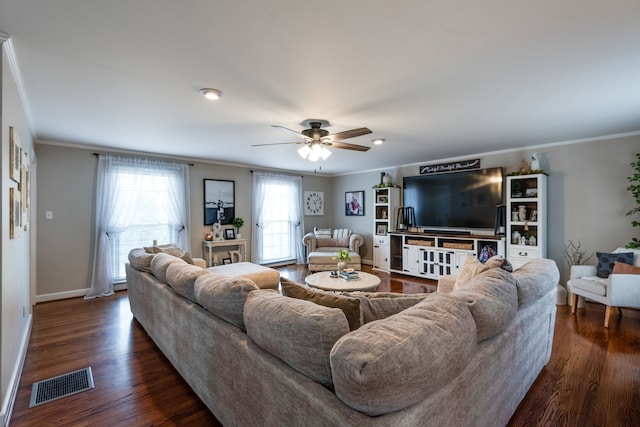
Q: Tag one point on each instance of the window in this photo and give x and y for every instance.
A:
(137, 201)
(278, 212)
(150, 222)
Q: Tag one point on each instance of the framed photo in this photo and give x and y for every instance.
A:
(382, 198)
(24, 190)
(219, 201)
(15, 155)
(534, 216)
(314, 203)
(354, 203)
(15, 213)
(229, 234)
(531, 192)
(226, 260)
(381, 230)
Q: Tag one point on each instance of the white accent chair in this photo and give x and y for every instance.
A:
(618, 290)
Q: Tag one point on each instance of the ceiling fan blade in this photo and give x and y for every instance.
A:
(349, 134)
(277, 143)
(347, 146)
(306, 138)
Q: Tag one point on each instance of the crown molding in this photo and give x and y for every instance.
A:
(7, 47)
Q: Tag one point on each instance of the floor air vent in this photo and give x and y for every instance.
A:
(63, 385)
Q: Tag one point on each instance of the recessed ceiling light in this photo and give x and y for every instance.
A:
(378, 141)
(210, 93)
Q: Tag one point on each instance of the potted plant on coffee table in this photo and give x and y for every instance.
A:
(343, 258)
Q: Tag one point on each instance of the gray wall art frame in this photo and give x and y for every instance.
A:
(219, 201)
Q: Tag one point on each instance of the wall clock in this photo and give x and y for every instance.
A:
(314, 203)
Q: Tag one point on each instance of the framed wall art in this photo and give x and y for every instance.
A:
(15, 213)
(15, 155)
(354, 203)
(219, 201)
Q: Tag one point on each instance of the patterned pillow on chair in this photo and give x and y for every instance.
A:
(606, 262)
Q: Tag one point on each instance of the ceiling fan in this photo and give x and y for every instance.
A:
(316, 140)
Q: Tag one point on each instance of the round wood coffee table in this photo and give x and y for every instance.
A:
(324, 281)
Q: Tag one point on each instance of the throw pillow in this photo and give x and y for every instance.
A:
(606, 262)
(342, 236)
(622, 268)
(350, 306)
(380, 305)
(322, 233)
(472, 267)
(170, 249)
(186, 257)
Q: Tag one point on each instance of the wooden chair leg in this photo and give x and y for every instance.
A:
(607, 314)
(574, 303)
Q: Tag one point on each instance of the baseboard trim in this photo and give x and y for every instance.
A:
(7, 404)
(73, 294)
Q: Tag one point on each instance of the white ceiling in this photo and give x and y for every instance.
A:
(437, 79)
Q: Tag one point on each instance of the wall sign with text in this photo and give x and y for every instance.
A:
(450, 167)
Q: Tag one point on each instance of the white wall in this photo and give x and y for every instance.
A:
(16, 253)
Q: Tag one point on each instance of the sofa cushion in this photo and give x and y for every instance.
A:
(387, 366)
(182, 279)
(535, 279)
(606, 262)
(322, 233)
(380, 305)
(349, 305)
(341, 237)
(298, 332)
(161, 262)
(596, 287)
(224, 296)
(492, 298)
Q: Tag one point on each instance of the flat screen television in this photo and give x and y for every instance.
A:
(466, 199)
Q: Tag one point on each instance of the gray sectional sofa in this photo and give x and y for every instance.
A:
(463, 357)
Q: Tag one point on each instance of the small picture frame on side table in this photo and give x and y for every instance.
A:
(381, 230)
(229, 234)
(226, 261)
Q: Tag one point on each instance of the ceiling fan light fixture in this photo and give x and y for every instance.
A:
(378, 141)
(210, 93)
(304, 151)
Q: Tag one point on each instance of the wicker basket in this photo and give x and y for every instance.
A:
(419, 242)
(450, 245)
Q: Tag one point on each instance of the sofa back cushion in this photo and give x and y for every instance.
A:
(492, 298)
(224, 296)
(391, 364)
(535, 279)
(182, 278)
(298, 332)
(140, 259)
(161, 262)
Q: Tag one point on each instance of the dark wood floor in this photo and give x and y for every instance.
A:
(593, 378)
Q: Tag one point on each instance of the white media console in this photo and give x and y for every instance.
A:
(434, 255)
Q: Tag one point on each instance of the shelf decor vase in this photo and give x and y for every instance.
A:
(522, 212)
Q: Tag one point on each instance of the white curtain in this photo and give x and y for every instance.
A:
(293, 187)
(118, 186)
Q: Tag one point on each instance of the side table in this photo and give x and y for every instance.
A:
(208, 247)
